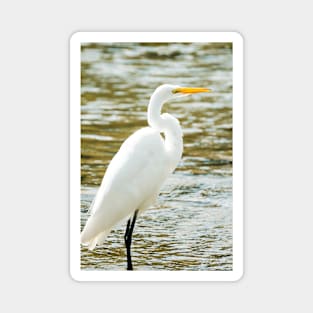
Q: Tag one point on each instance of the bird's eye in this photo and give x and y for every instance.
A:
(175, 91)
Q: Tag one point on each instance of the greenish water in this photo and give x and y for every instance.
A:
(190, 227)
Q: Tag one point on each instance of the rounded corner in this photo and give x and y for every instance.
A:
(73, 276)
(238, 276)
(74, 37)
(238, 36)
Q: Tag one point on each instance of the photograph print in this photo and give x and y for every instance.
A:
(156, 156)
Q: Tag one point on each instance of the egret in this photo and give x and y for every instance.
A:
(136, 173)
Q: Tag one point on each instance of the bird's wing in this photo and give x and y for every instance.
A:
(133, 177)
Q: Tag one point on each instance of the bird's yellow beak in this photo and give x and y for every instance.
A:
(190, 90)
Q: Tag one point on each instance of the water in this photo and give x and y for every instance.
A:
(190, 227)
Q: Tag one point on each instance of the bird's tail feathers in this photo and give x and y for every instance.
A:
(97, 240)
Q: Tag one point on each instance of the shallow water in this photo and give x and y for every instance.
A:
(190, 227)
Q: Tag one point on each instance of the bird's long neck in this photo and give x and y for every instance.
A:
(154, 112)
(169, 125)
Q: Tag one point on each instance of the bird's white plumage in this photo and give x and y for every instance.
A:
(132, 181)
(138, 170)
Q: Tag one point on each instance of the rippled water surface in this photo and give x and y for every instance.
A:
(190, 227)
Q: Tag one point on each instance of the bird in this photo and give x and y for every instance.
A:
(132, 181)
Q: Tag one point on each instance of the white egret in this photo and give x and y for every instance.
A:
(136, 173)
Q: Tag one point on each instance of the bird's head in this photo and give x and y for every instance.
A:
(167, 92)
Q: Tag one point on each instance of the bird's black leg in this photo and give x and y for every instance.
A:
(128, 239)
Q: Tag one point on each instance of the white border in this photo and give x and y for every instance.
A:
(75, 43)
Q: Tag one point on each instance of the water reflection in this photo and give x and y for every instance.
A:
(190, 228)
